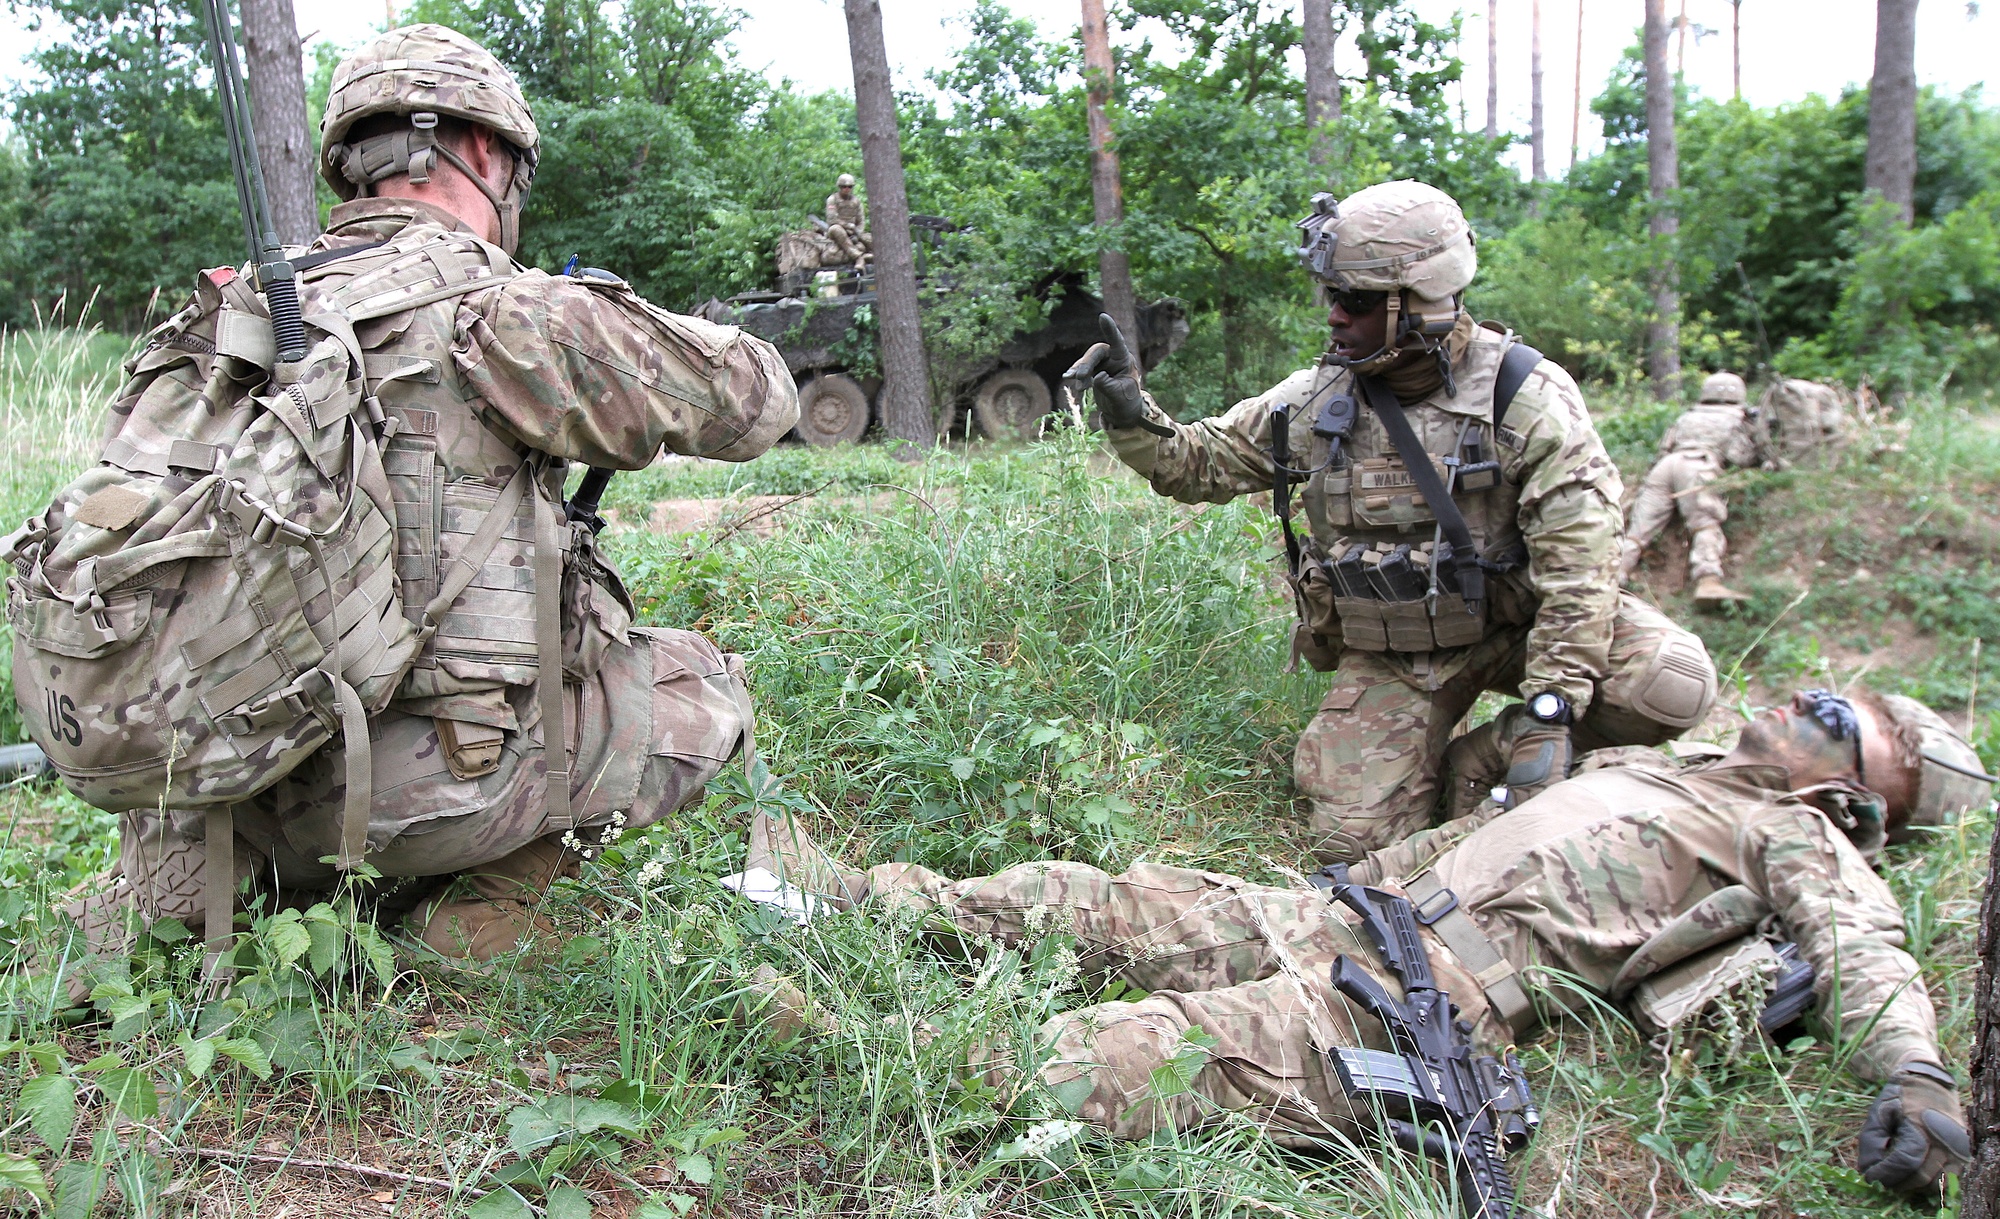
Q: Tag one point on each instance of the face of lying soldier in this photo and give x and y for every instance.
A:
(1820, 737)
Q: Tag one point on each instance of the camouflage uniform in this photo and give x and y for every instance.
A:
(1542, 516)
(1717, 433)
(847, 224)
(1370, 760)
(1576, 880)
(531, 368)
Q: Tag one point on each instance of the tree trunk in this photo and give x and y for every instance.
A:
(1492, 69)
(275, 65)
(1576, 93)
(906, 396)
(1663, 333)
(1107, 190)
(1537, 140)
(1980, 1186)
(1322, 84)
(1681, 46)
(1892, 107)
(1736, 46)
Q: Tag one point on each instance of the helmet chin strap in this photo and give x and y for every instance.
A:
(1405, 332)
(415, 152)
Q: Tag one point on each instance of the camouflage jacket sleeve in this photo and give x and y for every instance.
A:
(1847, 923)
(587, 370)
(1212, 460)
(1570, 519)
(1420, 850)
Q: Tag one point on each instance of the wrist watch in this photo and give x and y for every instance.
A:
(1550, 708)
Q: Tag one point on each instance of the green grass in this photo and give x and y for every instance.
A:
(987, 657)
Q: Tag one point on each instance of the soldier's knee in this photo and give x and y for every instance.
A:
(1105, 1059)
(1664, 683)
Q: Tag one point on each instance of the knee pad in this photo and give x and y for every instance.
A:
(1660, 697)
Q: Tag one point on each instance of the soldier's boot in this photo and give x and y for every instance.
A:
(779, 845)
(775, 1005)
(495, 908)
(161, 873)
(1710, 593)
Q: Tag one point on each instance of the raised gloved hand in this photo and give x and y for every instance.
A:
(1915, 1131)
(1109, 369)
(1541, 755)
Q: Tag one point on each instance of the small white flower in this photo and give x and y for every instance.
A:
(1035, 923)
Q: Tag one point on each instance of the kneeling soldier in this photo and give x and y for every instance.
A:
(1463, 526)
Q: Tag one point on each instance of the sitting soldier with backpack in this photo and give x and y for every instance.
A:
(324, 607)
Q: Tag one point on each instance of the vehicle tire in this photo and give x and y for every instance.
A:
(1010, 404)
(833, 409)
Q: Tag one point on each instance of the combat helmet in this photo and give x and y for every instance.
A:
(1950, 779)
(424, 71)
(844, 180)
(1723, 387)
(1404, 238)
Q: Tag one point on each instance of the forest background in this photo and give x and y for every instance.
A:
(668, 160)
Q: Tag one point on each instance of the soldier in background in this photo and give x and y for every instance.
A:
(1637, 881)
(847, 221)
(430, 143)
(1718, 432)
(1526, 603)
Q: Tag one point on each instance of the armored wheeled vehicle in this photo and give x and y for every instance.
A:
(822, 320)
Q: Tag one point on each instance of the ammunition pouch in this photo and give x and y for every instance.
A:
(1381, 598)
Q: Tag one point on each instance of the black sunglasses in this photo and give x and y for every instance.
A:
(1836, 715)
(1356, 302)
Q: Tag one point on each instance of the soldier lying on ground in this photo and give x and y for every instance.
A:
(428, 138)
(1487, 563)
(1716, 433)
(1611, 877)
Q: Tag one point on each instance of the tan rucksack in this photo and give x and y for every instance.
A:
(217, 597)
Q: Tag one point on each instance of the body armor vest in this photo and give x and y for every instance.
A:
(447, 471)
(1375, 571)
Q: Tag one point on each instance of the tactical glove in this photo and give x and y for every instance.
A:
(1914, 1132)
(1109, 370)
(1541, 756)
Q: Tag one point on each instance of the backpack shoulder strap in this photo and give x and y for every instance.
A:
(1515, 364)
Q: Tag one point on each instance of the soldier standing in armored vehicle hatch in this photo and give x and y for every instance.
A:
(847, 220)
(1488, 564)
(488, 368)
(1716, 433)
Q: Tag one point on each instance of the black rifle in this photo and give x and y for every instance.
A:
(275, 276)
(582, 507)
(1465, 1109)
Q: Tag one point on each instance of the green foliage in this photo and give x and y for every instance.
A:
(117, 185)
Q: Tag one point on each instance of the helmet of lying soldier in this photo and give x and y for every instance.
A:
(1403, 238)
(1723, 387)
(424, 73)
(1950, 778)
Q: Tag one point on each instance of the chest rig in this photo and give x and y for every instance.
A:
(1411, 516)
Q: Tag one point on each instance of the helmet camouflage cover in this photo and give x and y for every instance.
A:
(423, 71)
(1944, 789)
(1723, 387)
(1389, 237)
